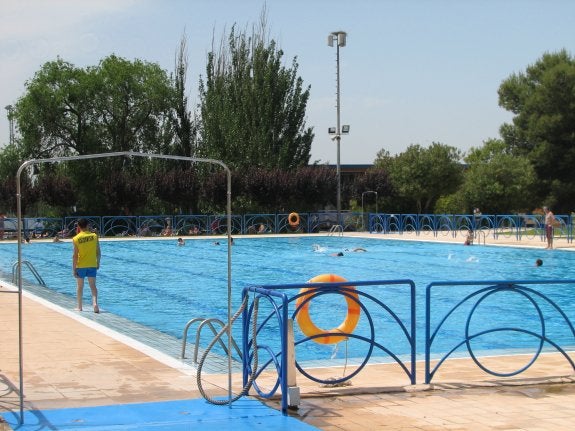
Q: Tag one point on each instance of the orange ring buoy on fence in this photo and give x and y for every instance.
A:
(293, 219)
(347, 326)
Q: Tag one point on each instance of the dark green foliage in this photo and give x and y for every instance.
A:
(543, 129)
(253, 108)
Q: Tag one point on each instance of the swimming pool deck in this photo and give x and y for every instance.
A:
(72, 363)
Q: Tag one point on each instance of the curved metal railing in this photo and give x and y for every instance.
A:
(512, 226)
(382, 326)
(468, 323)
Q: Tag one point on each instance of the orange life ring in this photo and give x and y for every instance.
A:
(293, 219)
(347, 326)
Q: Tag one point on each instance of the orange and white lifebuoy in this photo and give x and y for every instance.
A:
(347, 326)
(293, 219)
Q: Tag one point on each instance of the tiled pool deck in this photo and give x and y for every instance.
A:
(72, 364)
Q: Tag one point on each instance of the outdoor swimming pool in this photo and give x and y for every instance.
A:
(160, 285)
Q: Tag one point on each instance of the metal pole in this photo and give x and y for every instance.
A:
(362, 213)
(126, 154)
(338, 139)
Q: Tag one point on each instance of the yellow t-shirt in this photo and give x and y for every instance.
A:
(87, 243)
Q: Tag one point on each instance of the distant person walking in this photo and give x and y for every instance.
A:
(86, 262)
(549, 222)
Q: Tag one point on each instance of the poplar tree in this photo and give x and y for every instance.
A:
(252, 106)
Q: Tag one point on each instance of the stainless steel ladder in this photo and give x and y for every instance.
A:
(33, 270)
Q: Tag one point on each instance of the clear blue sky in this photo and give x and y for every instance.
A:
(413, 71)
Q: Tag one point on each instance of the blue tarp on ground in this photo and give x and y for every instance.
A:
(245, 415)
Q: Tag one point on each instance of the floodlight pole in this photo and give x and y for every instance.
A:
(339, 37)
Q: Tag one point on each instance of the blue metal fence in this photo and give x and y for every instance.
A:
(515, 226)
(521, 316)
(376, 302)
(457, 329)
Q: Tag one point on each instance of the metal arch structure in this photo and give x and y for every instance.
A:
(34, 162)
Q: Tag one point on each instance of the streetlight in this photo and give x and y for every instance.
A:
(362, 195)
(10, 110)
(339, 37)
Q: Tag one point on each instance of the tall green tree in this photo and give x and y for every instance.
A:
(184, 125)
(496, 180)
(118, 105)
(419, 175)
(253, 107)
(542, 100)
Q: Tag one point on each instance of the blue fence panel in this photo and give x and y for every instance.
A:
(94, 223)
(46, 227)
(191, 225)
(385, 324)
(260, 223)
(521, 316)
(119, 226)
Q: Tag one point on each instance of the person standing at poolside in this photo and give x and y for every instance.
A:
(86, 262)
(549, 221)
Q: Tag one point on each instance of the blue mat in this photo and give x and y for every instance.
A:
(245, 415)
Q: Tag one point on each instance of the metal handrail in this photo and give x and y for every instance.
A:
(479, 234)
(33, 270)
(208, 323)
(336, 228)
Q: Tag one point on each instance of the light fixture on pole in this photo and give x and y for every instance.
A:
(362, 195)
(10, 110)
(339, 38)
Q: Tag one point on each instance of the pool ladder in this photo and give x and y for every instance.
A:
(33, 270)
(210, 324)
(336, 228)
(478, 234)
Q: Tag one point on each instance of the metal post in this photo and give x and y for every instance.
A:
(338, 142)
(34, 162)
(362, 216)
(339, 37)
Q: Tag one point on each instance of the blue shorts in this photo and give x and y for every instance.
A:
(85, 272)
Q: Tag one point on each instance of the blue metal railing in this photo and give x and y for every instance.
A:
(375, 312)
(466, 319)
(470, 319)
(516, 226)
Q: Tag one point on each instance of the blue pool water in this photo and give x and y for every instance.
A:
(160, 285)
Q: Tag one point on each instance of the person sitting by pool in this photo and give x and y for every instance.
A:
(469, 239)
(181, 242)
(262, 228)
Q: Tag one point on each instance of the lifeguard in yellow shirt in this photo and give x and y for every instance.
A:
(86, 262)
